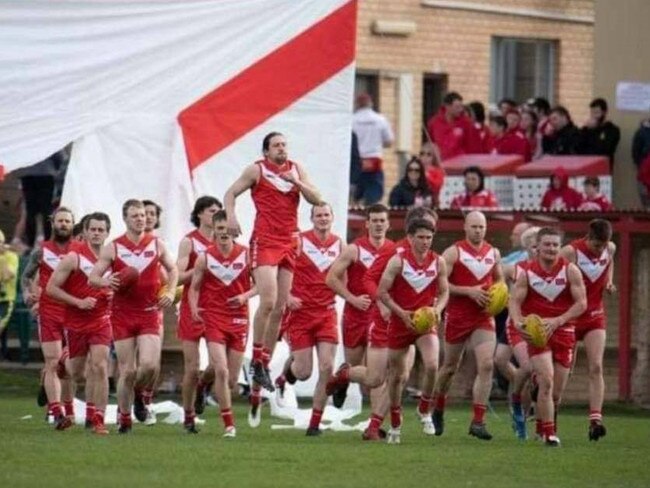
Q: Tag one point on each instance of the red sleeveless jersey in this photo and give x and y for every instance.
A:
(77, 285)
(52, 253)
(225, 277)
(372, 277)
(199, 245)
(594, 271)
(416, 285)
(367, 255)
(276, 203)
(313, 263)
(549, 292)
(473, 268)
(142, 296)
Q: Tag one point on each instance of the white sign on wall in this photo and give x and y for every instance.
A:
(633, 96)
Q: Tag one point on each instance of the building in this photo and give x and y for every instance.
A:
(410, 52)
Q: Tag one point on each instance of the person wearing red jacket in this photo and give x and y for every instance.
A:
(451, 129)
(593, 200)
(509, 140)
(560, 196)
(482, 137)
(475, 194)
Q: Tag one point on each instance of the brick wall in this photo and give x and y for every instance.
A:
(457, 43)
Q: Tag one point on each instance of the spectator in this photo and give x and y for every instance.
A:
(513, 119)
(593, 200)
(413, 189)
(373, 134)
(451, 129)
(560, 196)
(475, 194)
(8, 280)
(528, 125)
(508, 140)
(565, 138)
(483, 142)
(434, 173)
(599, 136)
(542, 109)
(506, 105)
(355, 166)
(641, 158)
(37, 184)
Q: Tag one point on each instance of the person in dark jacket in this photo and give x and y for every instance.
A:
(599, 136)
(413, 189)
(641, 158)
(565, 138)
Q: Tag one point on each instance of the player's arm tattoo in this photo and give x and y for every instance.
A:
(31, 268)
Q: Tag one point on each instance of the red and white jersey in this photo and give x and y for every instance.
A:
(417, 283)
(225, 277)
(51, 256)
(599, 203)
(314, 261)
(144, 256)
(372, 277)
(549, 292)
(77, 285)
(473, 268)
(199, 245)
(366, 256)
(595, 270)
(276, 203)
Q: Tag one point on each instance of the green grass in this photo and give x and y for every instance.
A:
(33, 454)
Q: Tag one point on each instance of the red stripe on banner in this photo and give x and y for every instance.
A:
(269, 86)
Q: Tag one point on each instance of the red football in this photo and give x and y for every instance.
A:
(128, 276)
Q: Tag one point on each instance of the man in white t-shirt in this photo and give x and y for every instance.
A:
(373, 134)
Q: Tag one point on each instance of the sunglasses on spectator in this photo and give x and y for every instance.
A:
(413, 170)
(423, 153)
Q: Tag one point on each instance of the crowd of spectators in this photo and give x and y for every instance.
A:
(531, 130)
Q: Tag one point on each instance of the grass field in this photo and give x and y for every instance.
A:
(34, 455)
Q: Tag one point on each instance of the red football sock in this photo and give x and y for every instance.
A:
(147, 395)
(266, 356)
(424, 405)
(314, 421)
(375, 421)
(595, 416)
(548, 429)
(227, 417)
(343, 375)
(257, 352)
(280, 381)
(125, 418)
(479, 413)
(440, 402)
(189, 417)
(90, 411)
(396, 416)
(515, 398)
(255, 397)
(98, 417)
(55, 408)
(69, 408)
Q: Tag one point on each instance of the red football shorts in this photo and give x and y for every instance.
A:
(584, 326)
(459, 329)
(97, 334)
(513, 335)
(306, 328)
(128, 325)
(561, 345)
(378, 330)
(188, 330)
(355, 326)
(50, 330)
(272, 254)
(400, 336)
(232, 332)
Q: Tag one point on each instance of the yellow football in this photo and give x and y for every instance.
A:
(425, 319)
(534, 326)
(177, 295)
(498, 298)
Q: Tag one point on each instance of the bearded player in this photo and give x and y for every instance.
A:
(311, 322)
(414, 279)
(594, 255)
(372, 375)
(552, 288)
(191, 246)
(218, 299)
(473, 266)
(87, 315)
(44, 260)
(135, 313)
(276, 184)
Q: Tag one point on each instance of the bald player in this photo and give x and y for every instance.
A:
(473, 265)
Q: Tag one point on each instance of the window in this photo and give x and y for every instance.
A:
(522, 69)
(434, 88)
(367, 82)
